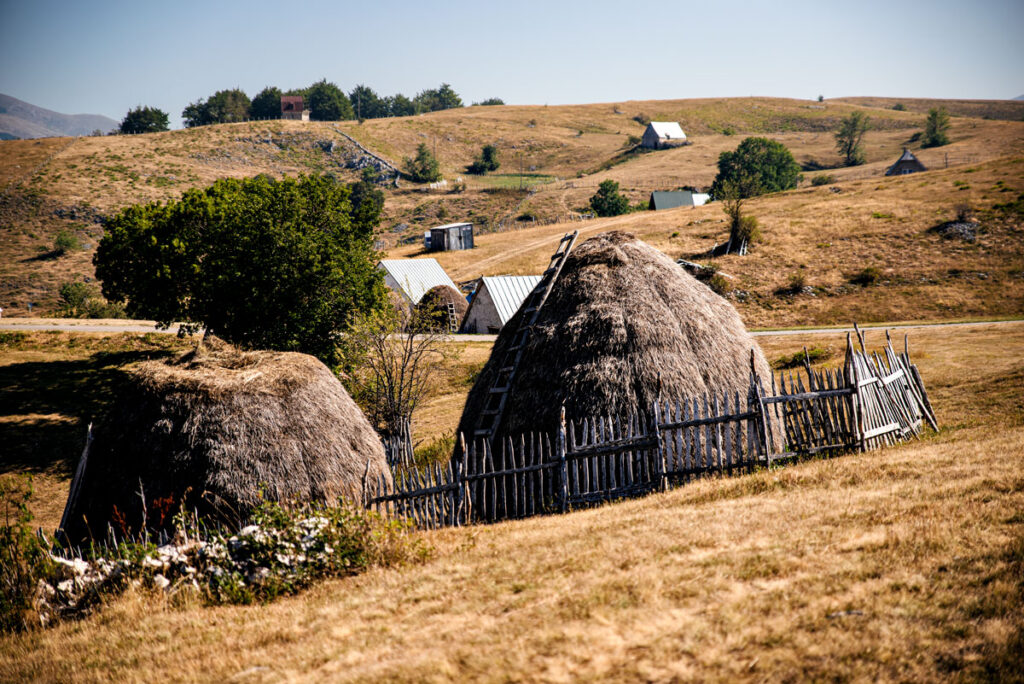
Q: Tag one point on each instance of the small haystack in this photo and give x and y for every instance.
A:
(215, 429)
(443, 307)
(621, 318)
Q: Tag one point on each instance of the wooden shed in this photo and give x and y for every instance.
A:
(907, 163)
(451, 237)
(293, 108)
(661, 134)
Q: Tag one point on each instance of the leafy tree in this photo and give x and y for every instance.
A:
(266, 104)
(487, 161)
(435, 100)
(757, 166)
(328, 103)
(423, 168)
(607, 201)
(144, 120)
(743, 229)
(224, 106)
(489, 102)
(400, 105)
(367, 201)
(367, 104)
(278, 264)
(936, 127)
(849, 136)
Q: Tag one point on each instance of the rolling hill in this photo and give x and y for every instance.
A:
(19, 119)
(559, 155)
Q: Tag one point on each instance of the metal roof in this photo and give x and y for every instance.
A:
(670, 199)
(508, 292)
(668, 130)
(452, 225)
(414, 277)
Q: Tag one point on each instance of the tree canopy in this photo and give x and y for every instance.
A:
(433, 100)
(224, 106)
(849, 136)
(367, 104)
(423, 168)
(756, 167)
(266, 104)
(400, 105)
(607, 201)
(487, 161)
(327, 102)
(276, 264)
(144, 120)
(489, 102)
(936, 128)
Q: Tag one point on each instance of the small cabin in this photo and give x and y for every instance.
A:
(907, 163)
(495, 301)
(413, 278)
(293, 108)
(449, 238)
(670, 199)
(662, 134)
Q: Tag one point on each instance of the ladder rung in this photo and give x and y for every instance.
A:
(498, 390)
(490, 412)
(481, 433)
(506, 369)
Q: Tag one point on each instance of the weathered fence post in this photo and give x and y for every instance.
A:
(762, 418)
(458, 494)
(563, 470)
(659, 462)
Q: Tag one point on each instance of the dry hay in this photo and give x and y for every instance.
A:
(622, 324)
(218, 430)
(433, 307)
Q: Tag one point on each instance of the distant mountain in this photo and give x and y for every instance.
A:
(1019, 97)
(20, 119)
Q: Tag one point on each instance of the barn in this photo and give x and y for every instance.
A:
(907, 163)
(670, 199)
(413, 278)
(292, 108)
(450, 237)
(661, 134)
(495, 301)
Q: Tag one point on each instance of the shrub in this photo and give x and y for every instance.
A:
(23, 559)
(439, 450)
(749, 229)
(899, 107)
(642, 119)
(964, 212)
(607, 201)
(423, 168)
(823, 179)
(65, 242)
(866, 277)
(881, 215)
(720, 284)
(633, 140)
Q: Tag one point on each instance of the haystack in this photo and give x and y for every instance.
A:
(622, 318)
(216, 431)
(433, 307)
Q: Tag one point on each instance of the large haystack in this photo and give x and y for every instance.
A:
(621, 316)
(215, 429)
(433, 307)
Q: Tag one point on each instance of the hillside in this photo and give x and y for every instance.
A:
(19, 119)
(898, 564)
(563, 152)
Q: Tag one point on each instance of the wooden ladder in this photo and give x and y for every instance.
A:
(453, 318)
(489, 419)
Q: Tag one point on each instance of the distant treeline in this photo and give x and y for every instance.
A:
(325, 102)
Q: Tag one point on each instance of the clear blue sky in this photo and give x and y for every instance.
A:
(106, 57)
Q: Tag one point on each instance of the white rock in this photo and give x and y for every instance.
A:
(161, 582)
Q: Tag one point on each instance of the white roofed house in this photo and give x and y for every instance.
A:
(411, 278)
(660, 134)
(495, 301)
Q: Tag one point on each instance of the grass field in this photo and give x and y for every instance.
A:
(560, 148)
(900, 564)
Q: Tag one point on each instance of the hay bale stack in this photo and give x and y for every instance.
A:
(621, 315)
(433, 307)
(216, 428)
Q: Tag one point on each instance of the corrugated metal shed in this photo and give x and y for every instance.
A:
(508, 293)
(668, 130)
(413, 277)
(670, 199)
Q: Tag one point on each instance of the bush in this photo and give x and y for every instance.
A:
(607, 201)
(633, 140)
(868, 276)
(964, 212)
(439, 450)
(65, 242)
(642, 119)
(796, 283)
(899, 107)
(84, 300)
(823, 179)
(936, 127)
(749, 229)
(423, 168)
(720, 284)
(24, 560)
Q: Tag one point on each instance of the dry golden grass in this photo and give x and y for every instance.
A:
(900, 564)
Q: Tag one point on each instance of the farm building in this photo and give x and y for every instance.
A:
(450, 237)
(907, 163)
(622, 325)
(292, 108)
(220, 430)
(676, 198)
(412, 278)
(495, 302)
(661, 134)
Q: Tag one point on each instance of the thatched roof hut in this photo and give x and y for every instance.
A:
(217, 430)
(434, 307)
(621, 318)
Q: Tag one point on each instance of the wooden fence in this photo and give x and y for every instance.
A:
(874, 400)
